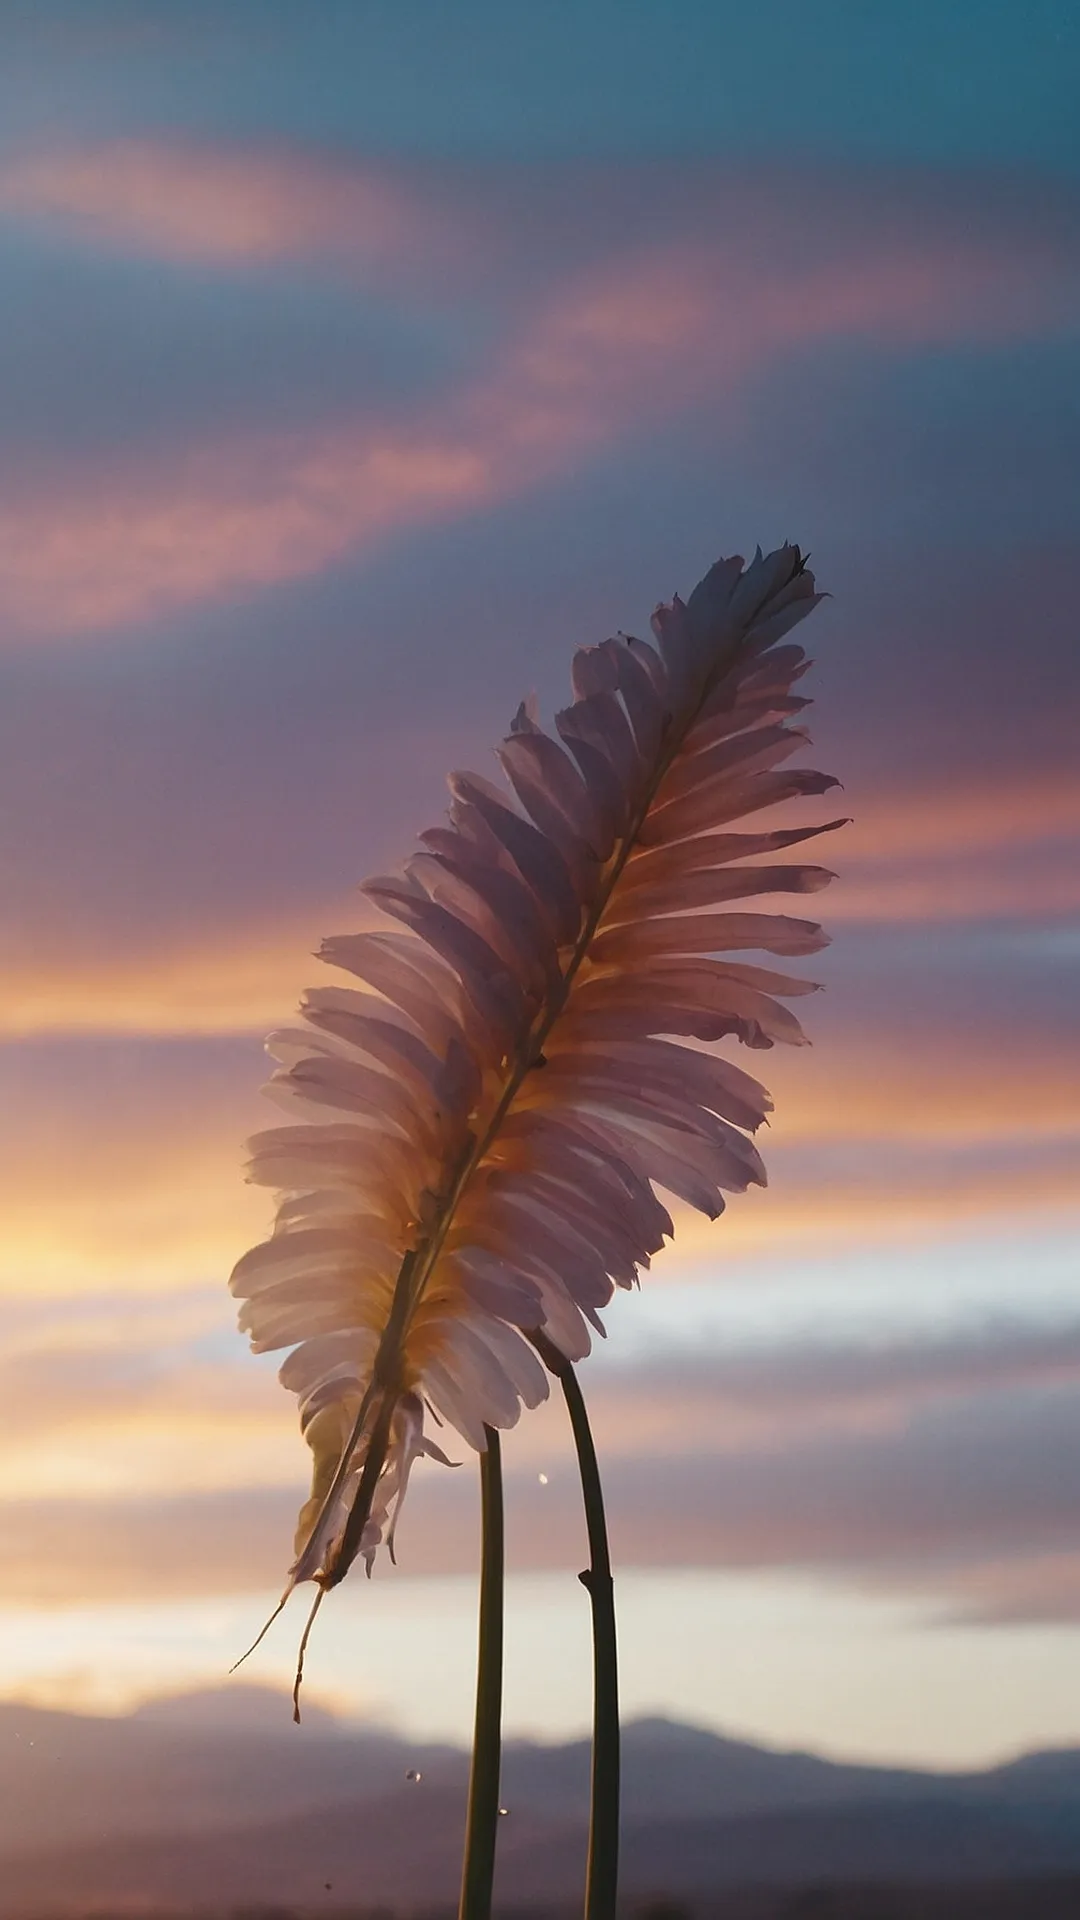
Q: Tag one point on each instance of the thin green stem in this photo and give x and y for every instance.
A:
(602, 1873)
(478, 1870)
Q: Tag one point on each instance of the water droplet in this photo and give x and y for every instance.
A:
(413, 1774)
(543, 1479)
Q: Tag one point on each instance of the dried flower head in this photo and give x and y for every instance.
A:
(497, 1105)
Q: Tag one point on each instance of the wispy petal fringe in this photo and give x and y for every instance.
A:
(487, 1117)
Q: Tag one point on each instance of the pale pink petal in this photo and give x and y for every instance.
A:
(713, 850)
(497, 905)
(757, 750)
(406, 973)
(551, 789)
(642, 688)
(537, 859)
(707, 933)
(719, 801)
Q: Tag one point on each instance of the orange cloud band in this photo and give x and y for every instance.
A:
(152, 1199)
(982, 1522)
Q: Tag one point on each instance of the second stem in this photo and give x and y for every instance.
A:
(602, 1875)
(482, 1821)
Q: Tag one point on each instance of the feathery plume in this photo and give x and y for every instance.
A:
(498, 1101)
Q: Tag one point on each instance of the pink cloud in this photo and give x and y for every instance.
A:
(1041, 881)
(973, 819)
(1040, 1588)
(1001, 850)
(222, 205)
(636, 340)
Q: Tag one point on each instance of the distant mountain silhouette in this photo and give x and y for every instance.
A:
(247, 1708)
(215, 1799)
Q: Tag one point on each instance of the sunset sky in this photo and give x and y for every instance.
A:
(357, 363)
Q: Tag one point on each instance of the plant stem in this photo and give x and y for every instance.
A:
(602, 1873)
(482, 1822)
